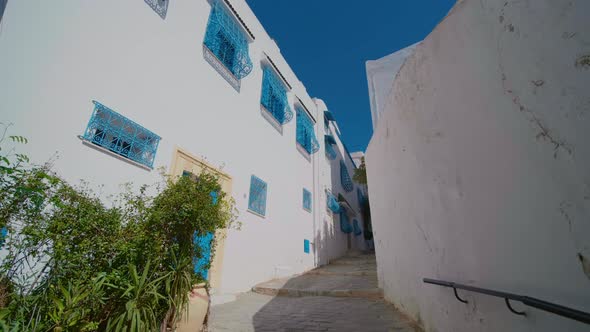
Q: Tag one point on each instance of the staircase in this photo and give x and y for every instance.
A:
(354, 275)
(341, 296)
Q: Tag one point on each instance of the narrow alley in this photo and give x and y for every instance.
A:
(342, 296)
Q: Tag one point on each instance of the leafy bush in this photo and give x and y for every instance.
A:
(74, 264)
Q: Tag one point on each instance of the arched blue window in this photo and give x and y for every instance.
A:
(345, 179)
(227, 41)
(274, 96)
(118, 134)
(305, 132)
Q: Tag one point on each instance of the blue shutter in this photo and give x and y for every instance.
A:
(274, 96)
(356, 227)
(345, 179)
(345, 226)
(203, 244)
(257, 199)
(306, 200)
(332, 203)
(306, 246)
(305, 132)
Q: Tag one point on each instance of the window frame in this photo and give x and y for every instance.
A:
(307, 193)
(261, 194)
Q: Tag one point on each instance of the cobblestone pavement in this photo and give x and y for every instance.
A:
(345, 310)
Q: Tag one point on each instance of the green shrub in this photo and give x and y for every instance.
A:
(75, 264)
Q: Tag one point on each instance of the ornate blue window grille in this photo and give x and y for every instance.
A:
(274, 96)
(118, 134)
(227, 41)
(332, 203)
(306, 200)
(257, 199)
(345, 179)
(345, 226)
(356, 227)
(306, 246)
(159, 6)
(305, 132)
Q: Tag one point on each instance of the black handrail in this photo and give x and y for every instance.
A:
(557, 309)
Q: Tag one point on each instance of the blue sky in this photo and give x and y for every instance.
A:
(327, 42)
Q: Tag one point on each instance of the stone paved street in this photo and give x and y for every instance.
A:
(339, 297)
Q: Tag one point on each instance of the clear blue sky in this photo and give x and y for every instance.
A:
(327, 42)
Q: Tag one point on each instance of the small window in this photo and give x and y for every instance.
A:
(226, 40)
(116, 133)
(306, 200)
(306, 246)
(345, 179)
(305, 132)
(159, 6)
(274, 96)
(257, 199)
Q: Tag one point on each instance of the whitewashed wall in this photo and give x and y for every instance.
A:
(479, 168)
(56, 57)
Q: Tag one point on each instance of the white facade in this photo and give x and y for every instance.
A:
(56, 57)
(478, 169)
(380, 76)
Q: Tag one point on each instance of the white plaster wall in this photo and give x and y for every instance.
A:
(380, 76)
(55, 57)
(478, 169)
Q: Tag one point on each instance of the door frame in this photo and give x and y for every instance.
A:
(180, 158)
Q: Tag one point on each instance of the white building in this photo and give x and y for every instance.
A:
(113, 90)
(478, 168)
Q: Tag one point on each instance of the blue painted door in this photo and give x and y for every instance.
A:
(203, 242)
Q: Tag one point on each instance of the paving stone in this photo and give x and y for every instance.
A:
(342, 297)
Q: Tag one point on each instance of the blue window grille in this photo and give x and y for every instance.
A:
(306, 200)
(201, 261)
(332, 203)
(257, 199)
(118, 134)
(159, 6)
(305, 132)
(227, 41)
(274, 96)
(306, 246)
(331, 152)
(345, 226)
(356, 227)
(345, 179)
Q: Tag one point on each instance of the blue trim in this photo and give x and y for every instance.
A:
(121, 135)
(307, 200)
(257, 197)
(331, 152)
(202, 245)
(345, 179)
(306, 246)
(227, 41)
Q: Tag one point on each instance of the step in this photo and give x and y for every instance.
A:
(354, 261)
(322, 285)
(346, 269)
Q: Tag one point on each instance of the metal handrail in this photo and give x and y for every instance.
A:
(557, 309)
